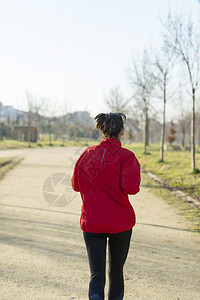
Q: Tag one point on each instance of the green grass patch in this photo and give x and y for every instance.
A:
(196, 171)
(5, 168)
(15, 144)
(4, 160)
(175, 170)
(12, 144)
(190, 214)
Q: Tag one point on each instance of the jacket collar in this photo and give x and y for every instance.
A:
(111, 141)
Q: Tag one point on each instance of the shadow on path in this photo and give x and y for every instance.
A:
(43, 209)
(167, 227)
(70, 213)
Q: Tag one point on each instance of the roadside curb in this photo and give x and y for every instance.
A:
(183, 196)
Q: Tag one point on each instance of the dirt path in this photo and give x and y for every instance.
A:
(42, 251)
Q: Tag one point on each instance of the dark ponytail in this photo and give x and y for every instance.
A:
(111, 124)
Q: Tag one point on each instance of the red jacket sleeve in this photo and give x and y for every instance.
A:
(75, 176)
(130, 175)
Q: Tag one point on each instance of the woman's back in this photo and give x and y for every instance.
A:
(105, 174)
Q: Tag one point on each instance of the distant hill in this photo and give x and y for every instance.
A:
(9, 114)
(81, 118)
(78, 122)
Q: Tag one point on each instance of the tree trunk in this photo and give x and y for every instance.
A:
(183, 137)
(145, 128)
(199, 137)
(0, 132)
(38, 127)
(162, 140)
(0, 126)
(147, 135)
(193, 131)
(49, 129)
(29, 130)
(63, 136)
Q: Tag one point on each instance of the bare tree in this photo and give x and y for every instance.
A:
(1, 124)
(183, 39)
(183, 125)
(116, 102)
(198, 121)
(30, 105)
(37, 108)
(62, 120)
(164, 64)
(184, 119)
(49, 111)
(142, 81)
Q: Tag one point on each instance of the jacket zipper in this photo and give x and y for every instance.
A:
(103, 155)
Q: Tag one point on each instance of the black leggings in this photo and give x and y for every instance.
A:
(118, 251)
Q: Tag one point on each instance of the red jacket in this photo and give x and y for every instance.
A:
(104, 175)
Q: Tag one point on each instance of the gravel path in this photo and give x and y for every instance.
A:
(42, 251)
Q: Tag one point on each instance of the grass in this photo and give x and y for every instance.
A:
(175, 170)
(190, 214)
(4, 168)
(4, 160)
(15, 144)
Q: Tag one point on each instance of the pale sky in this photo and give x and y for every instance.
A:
(75, 50)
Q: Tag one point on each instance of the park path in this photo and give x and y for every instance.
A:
(42, 251)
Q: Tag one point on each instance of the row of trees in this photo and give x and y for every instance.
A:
(50, 119)
(58, 120)
(157, 75)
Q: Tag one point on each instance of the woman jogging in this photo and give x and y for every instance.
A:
(104, 175)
